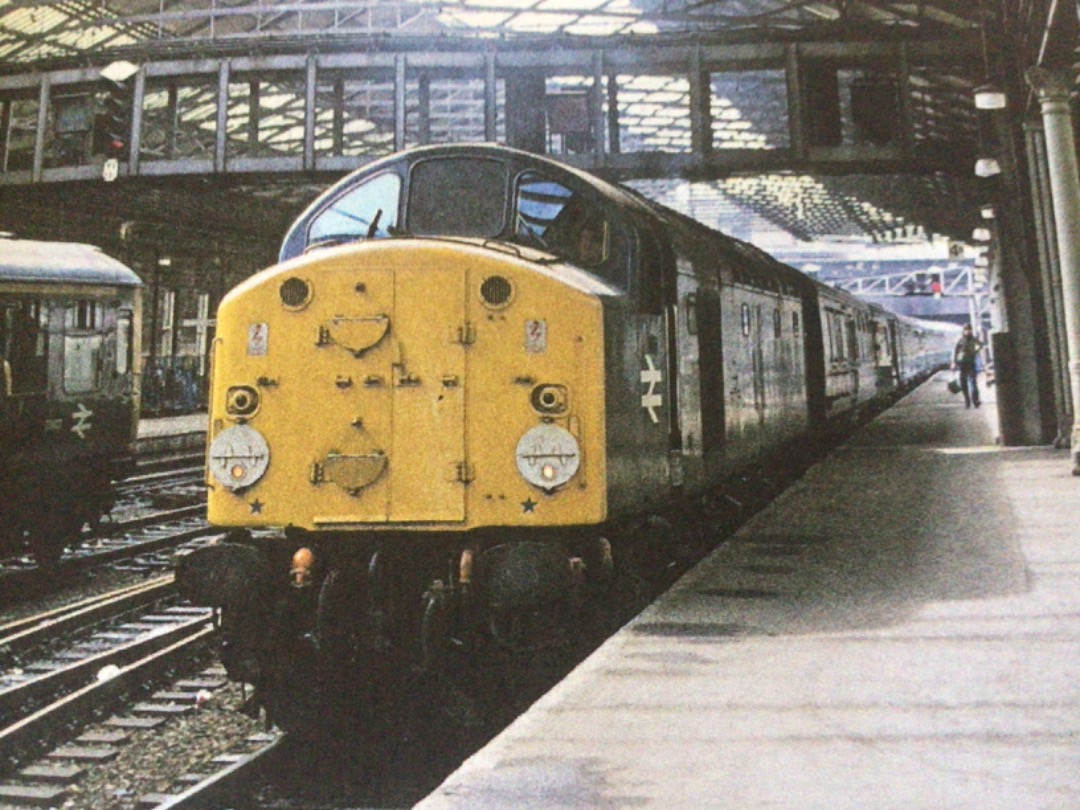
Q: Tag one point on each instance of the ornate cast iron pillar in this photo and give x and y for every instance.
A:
(1052, 88)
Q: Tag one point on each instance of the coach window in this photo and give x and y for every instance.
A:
(24, 344)
(82, 346)
(366, 211)
(123, 341)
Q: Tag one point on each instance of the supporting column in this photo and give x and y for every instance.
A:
(490, 98)
(614, 146)
(310, 100)
(221, 134)
(5, 134)
(1049, 264)
(171, 124)
(42, 123)
(135, 138)
(1052, 88)
(596, 106)
(700, 113)
(424, 111)
(254, 116)
(339, 116)
(525, 125)
(399, 102)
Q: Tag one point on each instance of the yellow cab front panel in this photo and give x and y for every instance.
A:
(391, 393)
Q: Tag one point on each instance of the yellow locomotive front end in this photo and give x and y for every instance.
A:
(415, 385)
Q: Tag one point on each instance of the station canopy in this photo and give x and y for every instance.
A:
(38, 34)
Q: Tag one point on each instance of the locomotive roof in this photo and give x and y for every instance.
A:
(61, 262)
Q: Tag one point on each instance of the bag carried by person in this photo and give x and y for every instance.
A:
(954, 385)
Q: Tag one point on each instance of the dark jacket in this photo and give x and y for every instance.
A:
(967, 349)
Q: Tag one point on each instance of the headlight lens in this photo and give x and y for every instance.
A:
(548, 456)
(239, 457)
(241, 400)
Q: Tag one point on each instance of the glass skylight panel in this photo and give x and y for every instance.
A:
(570, 5)
(475, 19)
(539, 23)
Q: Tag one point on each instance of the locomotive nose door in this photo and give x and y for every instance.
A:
(427, 457)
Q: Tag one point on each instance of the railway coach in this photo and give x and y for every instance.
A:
(69, 393)
(474, 385)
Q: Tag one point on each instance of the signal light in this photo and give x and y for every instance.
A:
(113, 124)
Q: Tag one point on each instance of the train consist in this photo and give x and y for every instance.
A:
(69, 394)
(467, 389)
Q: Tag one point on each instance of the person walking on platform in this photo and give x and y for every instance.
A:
(964, 357)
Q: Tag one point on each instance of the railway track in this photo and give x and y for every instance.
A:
(143, 545)
(117, 648)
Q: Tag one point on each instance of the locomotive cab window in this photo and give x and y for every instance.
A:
(368, 211)
(457, 197)
(569, 224)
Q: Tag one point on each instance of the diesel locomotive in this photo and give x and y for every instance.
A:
(476, 381)
(69, 393)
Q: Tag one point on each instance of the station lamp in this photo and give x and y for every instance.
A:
(990, 97)
(982, 260)
(987, 212)
(987, 167)
(981, 234)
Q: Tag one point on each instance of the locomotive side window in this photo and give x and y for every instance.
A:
(550, 216)
(368, 211)
(24, 345)
(457, 197)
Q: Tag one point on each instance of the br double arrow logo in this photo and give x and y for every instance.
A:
(82, 421)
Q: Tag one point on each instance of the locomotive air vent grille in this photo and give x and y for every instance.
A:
(496, 291)
(295, 293)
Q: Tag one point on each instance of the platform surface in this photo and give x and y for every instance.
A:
(172, 425)
(900, 629)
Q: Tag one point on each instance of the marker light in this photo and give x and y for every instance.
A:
(239, 456)
(548, 456)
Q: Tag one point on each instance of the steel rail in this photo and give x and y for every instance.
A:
(22, 739)
(78, 672)
(218, 788)
(21, 634)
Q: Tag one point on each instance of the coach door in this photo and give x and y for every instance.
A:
(427, 381)
(759, 368)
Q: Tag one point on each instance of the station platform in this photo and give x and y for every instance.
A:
(171, 434)
(900, 629)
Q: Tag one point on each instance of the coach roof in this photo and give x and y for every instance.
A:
(61, 262)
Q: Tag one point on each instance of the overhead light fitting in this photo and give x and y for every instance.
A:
(164, 261)
(982, 260)
(990, 97)
(987, 212)
(981, 234)
(987, 167)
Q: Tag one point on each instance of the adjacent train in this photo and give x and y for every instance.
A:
(69, 393)
(471, 381)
